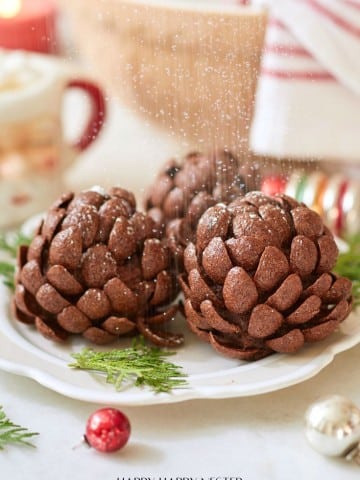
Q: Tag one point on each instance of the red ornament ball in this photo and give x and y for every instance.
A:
(107, 430)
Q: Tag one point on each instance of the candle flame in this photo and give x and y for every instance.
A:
(9, 8)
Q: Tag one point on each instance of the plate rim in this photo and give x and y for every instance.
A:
(307, 363)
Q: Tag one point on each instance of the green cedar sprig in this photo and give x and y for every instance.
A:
(10, 433)
(7, 272)
(9, 244)
(139, 364)
(348, 265)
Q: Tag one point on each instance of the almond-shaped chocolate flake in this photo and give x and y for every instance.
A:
(113, 208)
(215, 320)
(287, 294)
(62, 201)
(98, 266)
(94, 303)
(66, 248)
(339, 290)
(213, 223)
(199, 204)
(250, 224)
(86, 216)
(190, 258)
(144, 292)
(31, 276)
(159, 337)
(50, 299)
(73, 320)
(87, 197)
(144, 227)
(291, 342)
(63, 281)
(303, 255)
(50, 330)
(192, 316)
(264, 321)
(20, 315)
(21, 260)
(122, 240)
(118, 325)
(164, 185)
(200, 290)
(36, 249)
(245, 251)
(195, 174)
(174, 204)
(321, 331)
(216, 261)
(164, 285)
(273, 267)
(305, 312)
(25, 301)
(126, 196)
(130, 272)
(307, 222)
(278, 217)
(52, 222)
(108, 213)
(240, 293)
(155, 258)
(99, 336)
(329, 323)
(164, 317)
(328, 253)
(123, 300)
(237, 352)
(320, 286)
(340, 311)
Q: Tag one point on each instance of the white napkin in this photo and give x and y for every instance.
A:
(308, 95)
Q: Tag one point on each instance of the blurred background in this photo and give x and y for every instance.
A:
(184, 72)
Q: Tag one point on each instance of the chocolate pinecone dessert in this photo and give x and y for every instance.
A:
(99, 268)
(183, 191)
(258, 280)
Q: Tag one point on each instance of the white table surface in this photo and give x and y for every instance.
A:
(254, 438)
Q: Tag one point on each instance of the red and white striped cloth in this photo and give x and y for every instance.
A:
(308, 95)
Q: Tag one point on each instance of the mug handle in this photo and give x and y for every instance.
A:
(97, 114)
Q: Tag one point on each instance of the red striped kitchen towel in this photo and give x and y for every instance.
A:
(308, 95)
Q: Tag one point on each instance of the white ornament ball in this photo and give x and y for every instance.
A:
(333, 425)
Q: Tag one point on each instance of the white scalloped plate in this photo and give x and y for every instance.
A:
(25, 352)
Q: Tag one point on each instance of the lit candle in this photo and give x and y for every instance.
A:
(28, 25)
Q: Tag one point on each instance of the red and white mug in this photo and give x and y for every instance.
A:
(34, 151)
